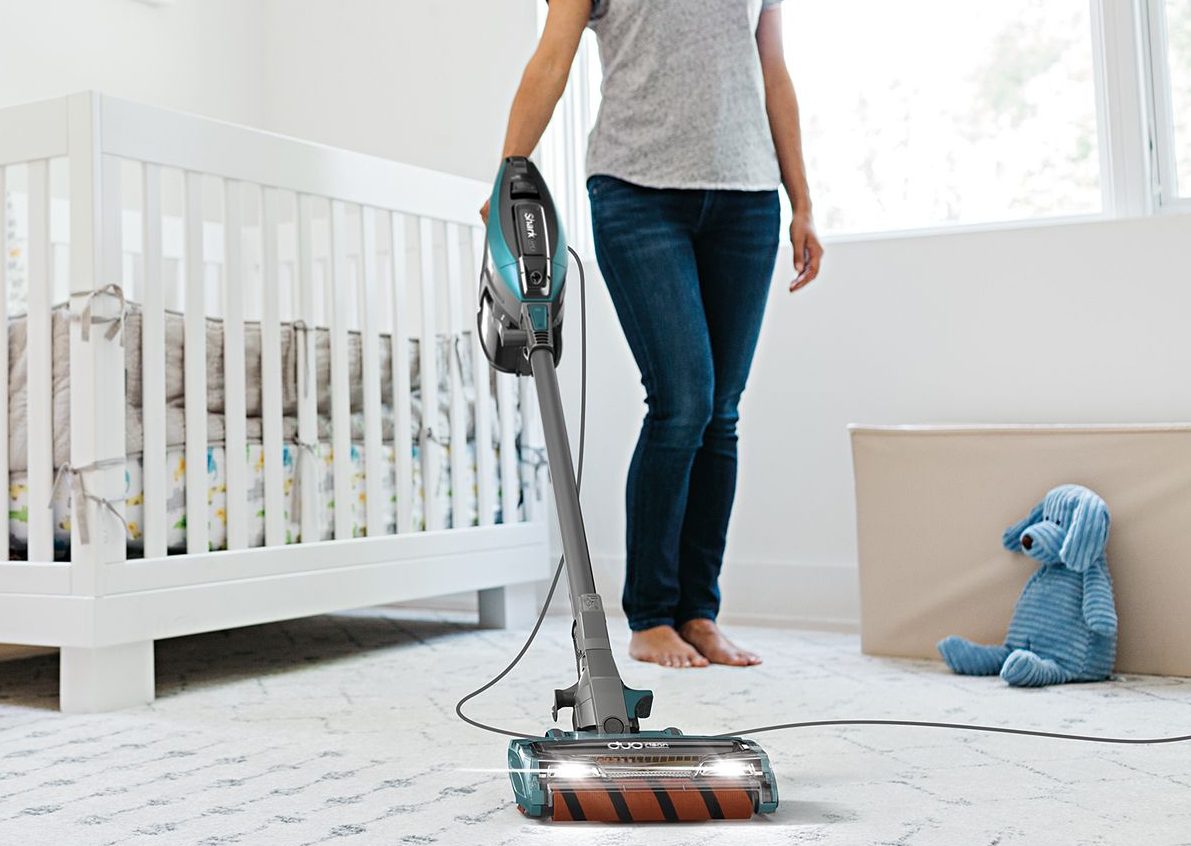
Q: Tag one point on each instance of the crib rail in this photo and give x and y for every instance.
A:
(323, 301)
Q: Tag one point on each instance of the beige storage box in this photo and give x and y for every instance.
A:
(932, 503)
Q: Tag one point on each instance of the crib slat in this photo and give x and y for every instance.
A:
(340, 386)
(271, 372)
(195, 364)
(311, 469)
(369, 346)
(402, 446)
(153, 460)
(485, 454)
(97, 363)
(4, 346)
(235, 410)
(460, 493)
(431, 451)
(39, 356)
(510, 484)
(107, 379)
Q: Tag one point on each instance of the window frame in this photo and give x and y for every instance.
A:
(1160, 104)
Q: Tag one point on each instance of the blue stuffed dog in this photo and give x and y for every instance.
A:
(1064, 628)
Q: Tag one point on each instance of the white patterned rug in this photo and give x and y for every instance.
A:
(340, 729)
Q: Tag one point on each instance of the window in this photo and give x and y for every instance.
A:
(935, 112)
(1173, 33)
(932, 113)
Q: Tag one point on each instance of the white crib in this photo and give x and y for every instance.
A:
(178, 293)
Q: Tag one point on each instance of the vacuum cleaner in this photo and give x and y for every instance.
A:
(606, 768)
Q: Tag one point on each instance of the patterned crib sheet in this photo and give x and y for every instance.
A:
(133, 495)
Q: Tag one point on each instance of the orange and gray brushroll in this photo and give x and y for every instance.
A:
(641, 777)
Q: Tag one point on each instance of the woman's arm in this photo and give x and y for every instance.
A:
(545, 78)
(782, 105)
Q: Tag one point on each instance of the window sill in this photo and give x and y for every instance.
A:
(963, 228)
(1182, 207)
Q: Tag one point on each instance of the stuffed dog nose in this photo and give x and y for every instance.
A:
(1026, 541)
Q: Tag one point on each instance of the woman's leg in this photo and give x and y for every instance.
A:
(646, 254)
(735, 249)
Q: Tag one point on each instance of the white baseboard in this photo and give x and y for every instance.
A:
(772, 594)
(771, 621)
(778, 594)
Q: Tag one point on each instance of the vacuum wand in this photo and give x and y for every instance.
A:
(566, 494)
(598, 697)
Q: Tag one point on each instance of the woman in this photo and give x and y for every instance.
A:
(697, 128)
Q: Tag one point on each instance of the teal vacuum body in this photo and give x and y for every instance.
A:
(525, 270)
(605, 768)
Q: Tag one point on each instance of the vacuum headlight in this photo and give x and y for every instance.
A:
(572, 770)
(728, 768)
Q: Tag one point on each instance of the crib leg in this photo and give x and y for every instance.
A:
(107, 678)
(509, 607)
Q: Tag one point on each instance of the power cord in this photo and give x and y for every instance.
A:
(1133, 741)
(1053, 735)
(533, 633)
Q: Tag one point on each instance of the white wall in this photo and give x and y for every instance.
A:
(428, 83)
(1064, 323)
(194, 55)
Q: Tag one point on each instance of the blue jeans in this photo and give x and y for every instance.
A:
(689, 273)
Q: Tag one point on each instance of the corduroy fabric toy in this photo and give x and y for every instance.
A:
(1064, 628)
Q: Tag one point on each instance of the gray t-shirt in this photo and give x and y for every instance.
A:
(683, 98)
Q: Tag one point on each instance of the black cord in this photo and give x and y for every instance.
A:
(1139, 741)
(557, 570)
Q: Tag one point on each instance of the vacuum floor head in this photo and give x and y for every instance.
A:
(644, 777)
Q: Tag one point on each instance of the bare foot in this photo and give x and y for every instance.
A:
(662, 645)
(706, 637)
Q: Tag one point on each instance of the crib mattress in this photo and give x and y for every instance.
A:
(294, 373)
(320, 472)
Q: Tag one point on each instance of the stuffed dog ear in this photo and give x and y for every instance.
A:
(1012, 537)
(1087, 535)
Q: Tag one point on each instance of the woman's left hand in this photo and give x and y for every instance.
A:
(808, 252)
